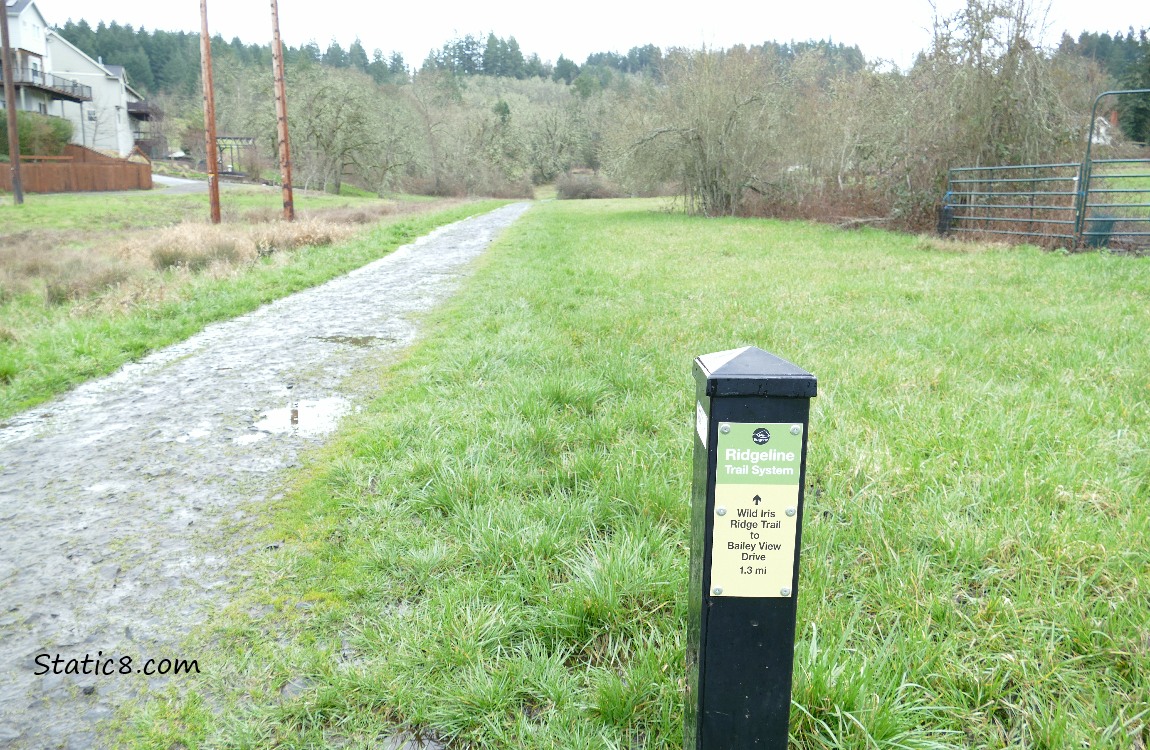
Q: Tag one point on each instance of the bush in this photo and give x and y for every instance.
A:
(40, 135)
(195, 257)
(443, 188)
(78, 283)
(488, 183)
(584, 186)
(505, 189)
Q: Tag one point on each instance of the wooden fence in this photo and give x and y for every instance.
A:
(79, 170)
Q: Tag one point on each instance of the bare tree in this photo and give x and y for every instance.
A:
(344, 126)
(712, 128)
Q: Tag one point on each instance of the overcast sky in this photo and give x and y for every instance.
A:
(890, 30)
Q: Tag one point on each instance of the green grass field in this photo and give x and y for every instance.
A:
(495, 552)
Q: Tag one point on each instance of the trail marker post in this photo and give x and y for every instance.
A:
(752, 415)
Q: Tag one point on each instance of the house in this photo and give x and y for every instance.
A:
(38, 89)
(1106, 130)
(118, 118)
(53, 77)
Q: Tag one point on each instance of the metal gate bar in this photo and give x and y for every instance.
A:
(1125, 211)
(995, 200)
(1107, 202)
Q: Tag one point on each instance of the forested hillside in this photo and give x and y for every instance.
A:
(806, 128)
(168, 62)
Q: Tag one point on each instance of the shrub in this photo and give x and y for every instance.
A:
(503, 188)
(168, 256)
(75, 283)
(488, 183)
(195, 257)
(584, 186)
(40, 135)
(8, 371)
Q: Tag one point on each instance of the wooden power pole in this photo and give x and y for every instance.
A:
(209, 113)
(10, 105)
(281, 115)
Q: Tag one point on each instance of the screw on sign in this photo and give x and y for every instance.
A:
(746, 532)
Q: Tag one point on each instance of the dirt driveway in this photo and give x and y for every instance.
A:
(114, 499)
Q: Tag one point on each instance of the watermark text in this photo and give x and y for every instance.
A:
(102, 666)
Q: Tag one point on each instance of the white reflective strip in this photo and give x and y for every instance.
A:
(701, 422)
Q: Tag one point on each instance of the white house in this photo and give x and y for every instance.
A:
(37, 88)
(117, 116)
(53, 77)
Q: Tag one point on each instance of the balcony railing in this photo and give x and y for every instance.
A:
(61, 87)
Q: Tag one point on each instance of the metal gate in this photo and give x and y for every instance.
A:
(1098, 202)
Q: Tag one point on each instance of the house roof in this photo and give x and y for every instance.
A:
(119, 71)
(18, 6)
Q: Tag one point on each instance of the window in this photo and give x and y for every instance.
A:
(91, 115)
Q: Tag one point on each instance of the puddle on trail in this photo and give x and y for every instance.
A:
(360, 341)
(409, 742)
(195, 434)
(305, 417)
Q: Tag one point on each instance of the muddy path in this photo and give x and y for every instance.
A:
(115, 500)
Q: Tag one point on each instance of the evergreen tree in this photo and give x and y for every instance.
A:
(396, 65)
(160, 47)
(309, 53)
(239, 51)
(565, 70)
(606, 60)
(377, 68)
(139, 70)
(514, 64)
(535, 68)
(493, 54)
(180, 73)
(435, 60)
(1134, 109)
(357, 56)
(335, 56)
(645, 59)
(80, 34)
(464, 56)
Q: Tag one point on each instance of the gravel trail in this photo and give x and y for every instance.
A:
(115, 498)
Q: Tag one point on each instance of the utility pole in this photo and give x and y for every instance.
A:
(281, 115)
(10, 106)
(209, 113)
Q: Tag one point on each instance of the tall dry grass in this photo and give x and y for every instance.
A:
(118, 269)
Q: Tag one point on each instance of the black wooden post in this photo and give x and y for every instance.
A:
(746, 528)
